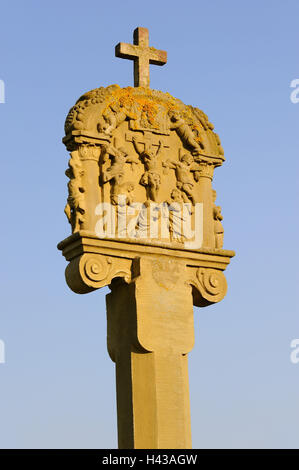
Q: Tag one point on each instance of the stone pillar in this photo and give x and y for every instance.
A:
(150, 332)
(150, 327)
(89, 156)
(204, 178)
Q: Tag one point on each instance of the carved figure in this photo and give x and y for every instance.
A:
(151, 179)
(115, 114)
(121, 194)
(116, 172)
(147, 219)
(184, 132)
(183, 172)
(218, 227)
(178, 213)
(75, 206)
(121, 197)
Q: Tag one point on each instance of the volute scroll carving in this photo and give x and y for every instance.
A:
(92, 271)
(209, 286)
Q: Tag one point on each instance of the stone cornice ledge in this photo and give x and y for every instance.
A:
(95, 262)
(87, 242)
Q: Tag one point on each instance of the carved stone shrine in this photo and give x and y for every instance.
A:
(145, 223)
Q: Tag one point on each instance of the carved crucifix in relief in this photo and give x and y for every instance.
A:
(142, 54)
(151, 178)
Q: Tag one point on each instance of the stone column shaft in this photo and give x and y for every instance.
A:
(204, 178)
(149, 340)
(89, 156)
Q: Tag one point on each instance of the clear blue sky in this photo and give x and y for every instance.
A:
(235, 60)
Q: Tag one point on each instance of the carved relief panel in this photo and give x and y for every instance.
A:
(141, 168)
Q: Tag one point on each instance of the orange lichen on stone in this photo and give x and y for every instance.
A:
(127, 98)
(150, 109)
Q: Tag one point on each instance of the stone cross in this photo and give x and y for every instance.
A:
(142, 54)
(140, 158)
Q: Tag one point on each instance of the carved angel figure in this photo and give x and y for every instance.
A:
(184, 132)
(115, 114)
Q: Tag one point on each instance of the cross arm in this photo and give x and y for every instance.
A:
(157, 57)
(126, 51)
